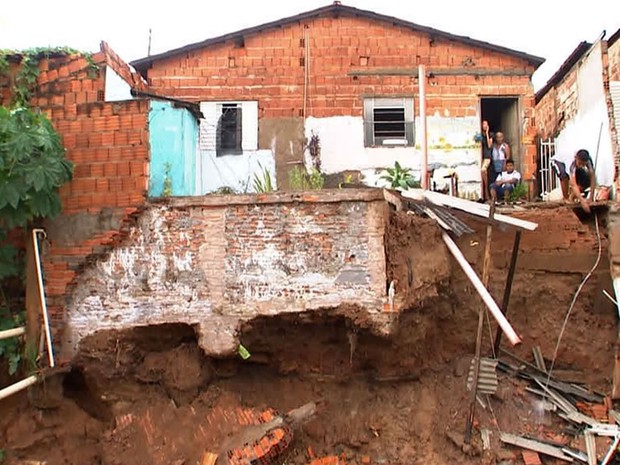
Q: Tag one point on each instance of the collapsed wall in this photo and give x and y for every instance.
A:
(218, 261)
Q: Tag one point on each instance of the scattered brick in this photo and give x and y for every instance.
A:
(531, 458)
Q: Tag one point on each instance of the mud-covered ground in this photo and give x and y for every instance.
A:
(149, 396)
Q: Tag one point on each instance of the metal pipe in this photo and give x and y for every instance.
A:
(423, 141)
(508, 288)
(484, 294)
(20, 385)
(37, 259)
(7, 333)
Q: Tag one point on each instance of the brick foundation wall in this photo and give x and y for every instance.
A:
(216, 261)
(269, 68)
(109, 146)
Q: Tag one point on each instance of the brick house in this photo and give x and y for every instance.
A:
(348, 76)
(579, 107)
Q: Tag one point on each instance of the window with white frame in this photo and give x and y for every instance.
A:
(389, 122)
(229, 128)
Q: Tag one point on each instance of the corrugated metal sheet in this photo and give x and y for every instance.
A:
(442, 214)
(614, 90)
(487, 377)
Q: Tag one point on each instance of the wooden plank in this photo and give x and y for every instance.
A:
(590, 447)
(557, 399)
(508, 287)
(477, 209)
(536, 446)
(481, 312)
(538, 358)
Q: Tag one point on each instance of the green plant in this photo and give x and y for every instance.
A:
(262, 183)
(32, 168)
(167, 191)
(346, 179)
(11, 348)
(300, 179)
(26, 77)
(519, 192)
(225, 190)
(400, 178)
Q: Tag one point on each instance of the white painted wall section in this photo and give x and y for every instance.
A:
(450, 141)
(589, 129)
(116, 88)
(232, 171)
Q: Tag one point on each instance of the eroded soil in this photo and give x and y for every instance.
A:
(149, 396)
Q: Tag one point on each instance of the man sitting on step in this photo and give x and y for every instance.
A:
(505, 182)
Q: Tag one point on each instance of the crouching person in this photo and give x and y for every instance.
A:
(580, 178)
(505, 182)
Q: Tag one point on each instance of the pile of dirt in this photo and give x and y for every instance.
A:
(149, 395)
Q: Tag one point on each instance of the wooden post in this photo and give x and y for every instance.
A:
(508, 288)
(485, 280)
(33, 299)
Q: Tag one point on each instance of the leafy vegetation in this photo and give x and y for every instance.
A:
(167, 191)
(400, 178)
(11, 348)
(26, 77)
(262, 183)
(32, 168)
(300, 179)
(519, 192)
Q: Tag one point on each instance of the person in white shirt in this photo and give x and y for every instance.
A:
(505, 182)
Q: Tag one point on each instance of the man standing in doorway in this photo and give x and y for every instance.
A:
(500, 152)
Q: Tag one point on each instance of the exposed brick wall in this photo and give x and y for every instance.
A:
(108, 144)
(614, 61)
(546, 114)
(268, 68)
(219, 260)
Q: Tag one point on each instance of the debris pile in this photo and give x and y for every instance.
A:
(589, 424)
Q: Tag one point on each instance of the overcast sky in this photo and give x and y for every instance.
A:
(544, 28)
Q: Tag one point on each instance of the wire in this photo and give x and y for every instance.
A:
(572, 305)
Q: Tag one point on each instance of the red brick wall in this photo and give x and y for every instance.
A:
(267, 68)
(558, 106)
(216, 261)
(108, 144)
(614, 61)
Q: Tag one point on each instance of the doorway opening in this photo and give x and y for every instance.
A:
(502, 113)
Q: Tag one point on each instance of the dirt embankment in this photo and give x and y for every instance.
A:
(150, 396)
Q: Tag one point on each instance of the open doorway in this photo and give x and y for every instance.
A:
(502, 113)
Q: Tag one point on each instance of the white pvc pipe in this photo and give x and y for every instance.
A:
(46, 323)
(20, 385)
(486, 297)
(15, 332)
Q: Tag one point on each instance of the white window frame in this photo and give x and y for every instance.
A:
(212, 112)
(406, 104)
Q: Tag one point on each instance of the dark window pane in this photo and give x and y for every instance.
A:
(229, 130)
(389, 123)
